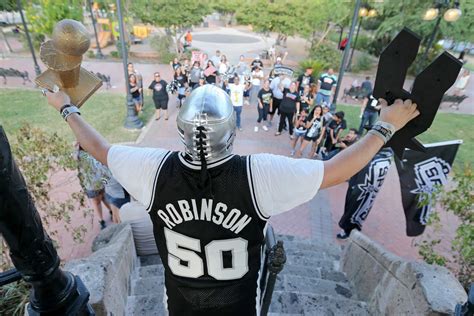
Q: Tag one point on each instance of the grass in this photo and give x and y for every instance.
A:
(104, 111)
(446, 126)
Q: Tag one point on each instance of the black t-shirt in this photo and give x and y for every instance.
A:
(304, 104)
(136, 93)
(211, 78)
(256, 63)
(305, 81)
(288, 103)
(336, 127)
(159, 89)
(314, 130)
(371, 104)
(182, 79)
(265, 96)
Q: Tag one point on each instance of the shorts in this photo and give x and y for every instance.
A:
(311, 139)
(137, 100)
(118, 202)
(94, 193)
(161, 104)
(275, 106)
(299, 133)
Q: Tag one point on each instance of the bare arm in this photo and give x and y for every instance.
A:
(349, 161)
(89, 139)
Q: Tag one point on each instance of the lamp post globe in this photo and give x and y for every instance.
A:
(431, 14)
(452, 15)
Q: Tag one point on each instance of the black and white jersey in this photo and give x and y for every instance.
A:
(210, 243)
(210, 238)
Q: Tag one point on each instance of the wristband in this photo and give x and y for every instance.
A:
(68, 110)
(383, 130)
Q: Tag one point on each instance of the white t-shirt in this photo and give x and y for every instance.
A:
(256, 77)
(223, 68)
(280, 183)
(237, 94)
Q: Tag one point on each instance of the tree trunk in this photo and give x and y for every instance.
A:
(324, 36)
(7, 44)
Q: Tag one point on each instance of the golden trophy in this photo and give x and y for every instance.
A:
(62, 55)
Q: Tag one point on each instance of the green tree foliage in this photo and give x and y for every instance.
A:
(42, 15)
(327, 54)
(226, 7)
(173, 15)
(8, 5)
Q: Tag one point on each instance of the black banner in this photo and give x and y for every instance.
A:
(363, 189)
(420, 172)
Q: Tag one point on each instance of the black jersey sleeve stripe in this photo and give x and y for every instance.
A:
(156, 180)
(252, 189)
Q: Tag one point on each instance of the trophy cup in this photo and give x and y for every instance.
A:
(62, 55)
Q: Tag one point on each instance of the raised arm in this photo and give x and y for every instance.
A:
(94, 143)
(349, 161)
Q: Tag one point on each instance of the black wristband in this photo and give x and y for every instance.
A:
(65, 106)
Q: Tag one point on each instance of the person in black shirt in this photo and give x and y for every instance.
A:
(369, 113)
(343, 143)
(256, 62)
(314, 132)
(305, 79)
(334, 130)
(182, 80)
(366, 87)
(288, 106)
(160, 96)
(136, 92)
(265, 101)
(306, 100)
(210, 77)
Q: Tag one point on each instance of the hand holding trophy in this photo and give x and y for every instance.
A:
(62, 55)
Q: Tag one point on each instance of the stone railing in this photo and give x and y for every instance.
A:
(393, 286)
(106, 272)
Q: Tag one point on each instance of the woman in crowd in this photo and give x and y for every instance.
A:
(202, 81)
(265, 100)
(136, 92)
(175, 63)
(301, 126)
(182, 84)
(160, 95)
(257, 77)
(195, 74)
(306, 99)
(210, 72)
(314, 133)
(223, 66)
(290, 104)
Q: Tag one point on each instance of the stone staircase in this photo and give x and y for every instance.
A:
(310, 283)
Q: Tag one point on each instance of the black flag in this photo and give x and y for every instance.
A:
(421, 172)
(363, 189)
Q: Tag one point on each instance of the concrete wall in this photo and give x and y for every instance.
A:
(106, 273)
(393, 286)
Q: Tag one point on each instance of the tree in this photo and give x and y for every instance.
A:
(226, 7)
(173, 15)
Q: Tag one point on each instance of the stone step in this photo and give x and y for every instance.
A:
(308, 261)
(149, 260)
(147, 285)
(314, 272)
(150, 271)
(315, 304)
(290, 251)
(292, 283)
(146, 305)
(331, 250)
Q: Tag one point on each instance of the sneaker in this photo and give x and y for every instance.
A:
(292, 153)
(292, 137)
(342, 235)
(102, 224)
(277, 134)
(265, 128)
(255, 129)
(241, 129)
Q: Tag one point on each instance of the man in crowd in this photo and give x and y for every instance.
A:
(216, 59)
(343, 143)
(326, 86)
(237, 98)
(256, 62)
(209, 207)
(366, 86)
(305, 79)
(334, 130)
(369, 113)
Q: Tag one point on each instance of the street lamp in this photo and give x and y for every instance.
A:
(363, 12)
(99, 52)
(25, 27)
(132, 121)
(451, 14)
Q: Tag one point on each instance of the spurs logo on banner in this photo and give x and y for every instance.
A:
(373, 181)
(429, 174)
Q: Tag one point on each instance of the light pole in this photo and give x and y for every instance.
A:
(363, 12)
(99, 52)
(346, 53)
(451, 13)
(131, 121)
(25, 27)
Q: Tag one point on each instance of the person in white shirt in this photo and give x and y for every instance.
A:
(216, 59)
(257, 77)
(237, 99)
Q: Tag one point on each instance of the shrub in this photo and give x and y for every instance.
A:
(363, 43)
(363, 63)
(90, 54)
(316, 65)
(114, 54)
(163, 45)
(118, 44)
(327, 54)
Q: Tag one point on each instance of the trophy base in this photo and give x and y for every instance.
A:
(88, 84)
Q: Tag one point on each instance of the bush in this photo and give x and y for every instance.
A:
(316, 65)
(114, 54)
(163, 45)
(118, 44)
(363, 63)
(90, 54)
(327, 54)
(363, 43)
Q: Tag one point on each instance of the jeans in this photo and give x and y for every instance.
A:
(262, 113)
(367, 117)
(284, 116)
(254, 94)
(238, 111)
(320, 98)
